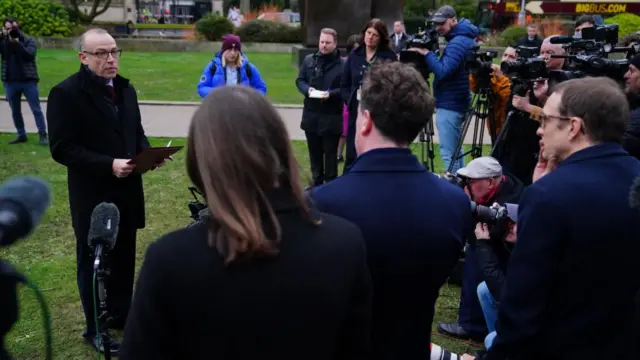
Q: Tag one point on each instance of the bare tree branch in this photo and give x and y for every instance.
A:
(88, 17)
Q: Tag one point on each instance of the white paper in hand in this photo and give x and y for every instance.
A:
(317, 94)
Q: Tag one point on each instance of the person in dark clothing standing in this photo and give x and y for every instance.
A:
(413, 222)
(20, 76)
(268, 277)
(631, 137)
(486, 184)
(570, 286)
(375, 48)
(319, 82)
(95, 138)
(531, 39)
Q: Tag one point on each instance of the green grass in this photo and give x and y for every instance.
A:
(172, 76)
(48, 256)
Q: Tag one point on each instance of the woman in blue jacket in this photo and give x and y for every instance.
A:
(230, 67)
(375, 38)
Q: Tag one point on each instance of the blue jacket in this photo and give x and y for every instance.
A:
(414, 225)
(210, 81)
(451, 79)
(354, 70)
(572, 279)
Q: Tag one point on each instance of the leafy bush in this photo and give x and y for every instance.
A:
(412, 23)
(213, 27)
(511, 35)
(627, 23)
(269, 32)
(38, 17)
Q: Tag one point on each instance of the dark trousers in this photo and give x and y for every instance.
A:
(121, 260)
(351, 154)
(470, 315)
(323, 155)
(14, 91)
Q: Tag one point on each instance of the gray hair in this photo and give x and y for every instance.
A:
(83, 37)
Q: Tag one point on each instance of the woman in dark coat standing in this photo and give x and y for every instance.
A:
(265, 276)
(375, 38)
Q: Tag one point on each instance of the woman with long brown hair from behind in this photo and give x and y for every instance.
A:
(264, 276)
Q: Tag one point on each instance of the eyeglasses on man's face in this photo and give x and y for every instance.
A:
(103, 54)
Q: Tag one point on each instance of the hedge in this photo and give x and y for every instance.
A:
(213, 27)
(144, 26)
(627, 23)
(269, 32)
(511, 35)
(38, 17)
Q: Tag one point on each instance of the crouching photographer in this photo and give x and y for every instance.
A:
(485, 183)
(492, 263)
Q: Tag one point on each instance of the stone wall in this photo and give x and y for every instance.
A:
(165, 45)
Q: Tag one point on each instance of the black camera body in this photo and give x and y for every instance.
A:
(491, 215)
(423, 39)
(196, 206)
(480, 62)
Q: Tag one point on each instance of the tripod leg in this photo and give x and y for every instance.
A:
(458, 149)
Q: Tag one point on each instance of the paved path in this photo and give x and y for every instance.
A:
(171, 119)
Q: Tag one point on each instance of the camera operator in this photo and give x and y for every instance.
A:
(583, 22)
(571, 283)
(20, 76)
(485, 184)
(494, 266)
(319, 81)
(451, 80)
(501, 89)
(631, 137)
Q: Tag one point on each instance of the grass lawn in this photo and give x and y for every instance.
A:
(172, 76)
(48, 256)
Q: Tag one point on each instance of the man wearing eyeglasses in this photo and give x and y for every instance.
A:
(20, 76)
(95, 128)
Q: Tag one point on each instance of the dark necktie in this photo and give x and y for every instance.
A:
(112, 93)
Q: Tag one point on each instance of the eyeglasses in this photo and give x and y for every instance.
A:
(103, 55)
(544, 118)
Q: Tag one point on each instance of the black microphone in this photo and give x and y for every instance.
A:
(23, 201)
(634, 194)
(103, 229)
(562, 40)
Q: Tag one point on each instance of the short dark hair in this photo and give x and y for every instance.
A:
(353, 41)
(585, 19)
(600, 102)
(398, 99)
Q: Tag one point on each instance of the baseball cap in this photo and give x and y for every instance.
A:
(484, 167)
(512, 212)
(444, 13)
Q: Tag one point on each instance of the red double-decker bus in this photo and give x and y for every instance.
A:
(494, 15)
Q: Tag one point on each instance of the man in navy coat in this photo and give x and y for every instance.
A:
(413, 222)
(572, 278)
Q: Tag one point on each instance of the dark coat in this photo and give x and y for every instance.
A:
(403, 39)
(86, 134)
(323, 73)
(25, 49)
(493, 255)
(631, 138)
(414, 225)
(571, 285)
(354, 70)
(524, 41)
(312, 301)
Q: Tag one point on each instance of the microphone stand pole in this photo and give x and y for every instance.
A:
(102, 273)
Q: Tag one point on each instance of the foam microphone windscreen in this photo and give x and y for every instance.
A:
(24, 200)
(103, 229)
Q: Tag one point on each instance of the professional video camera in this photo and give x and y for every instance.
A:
(423, 39)
(589, 54)
(479, 62)
(196, 206)
(526, 70)
(489, 214)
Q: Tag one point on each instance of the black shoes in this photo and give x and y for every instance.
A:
(94, 341)
(457, 331)
(42, 139)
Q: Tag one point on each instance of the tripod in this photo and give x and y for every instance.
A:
(103, 320)
(480, 110)
(427, 152)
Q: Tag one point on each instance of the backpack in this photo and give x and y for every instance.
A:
(247, 69)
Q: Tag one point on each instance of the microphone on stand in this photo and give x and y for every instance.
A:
(23, 201)
(103, 231)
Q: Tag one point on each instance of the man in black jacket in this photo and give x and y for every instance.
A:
(319, 82)
(631, 138)
(486, 184)
(531, 39)
(20, 76)
(94, 139)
